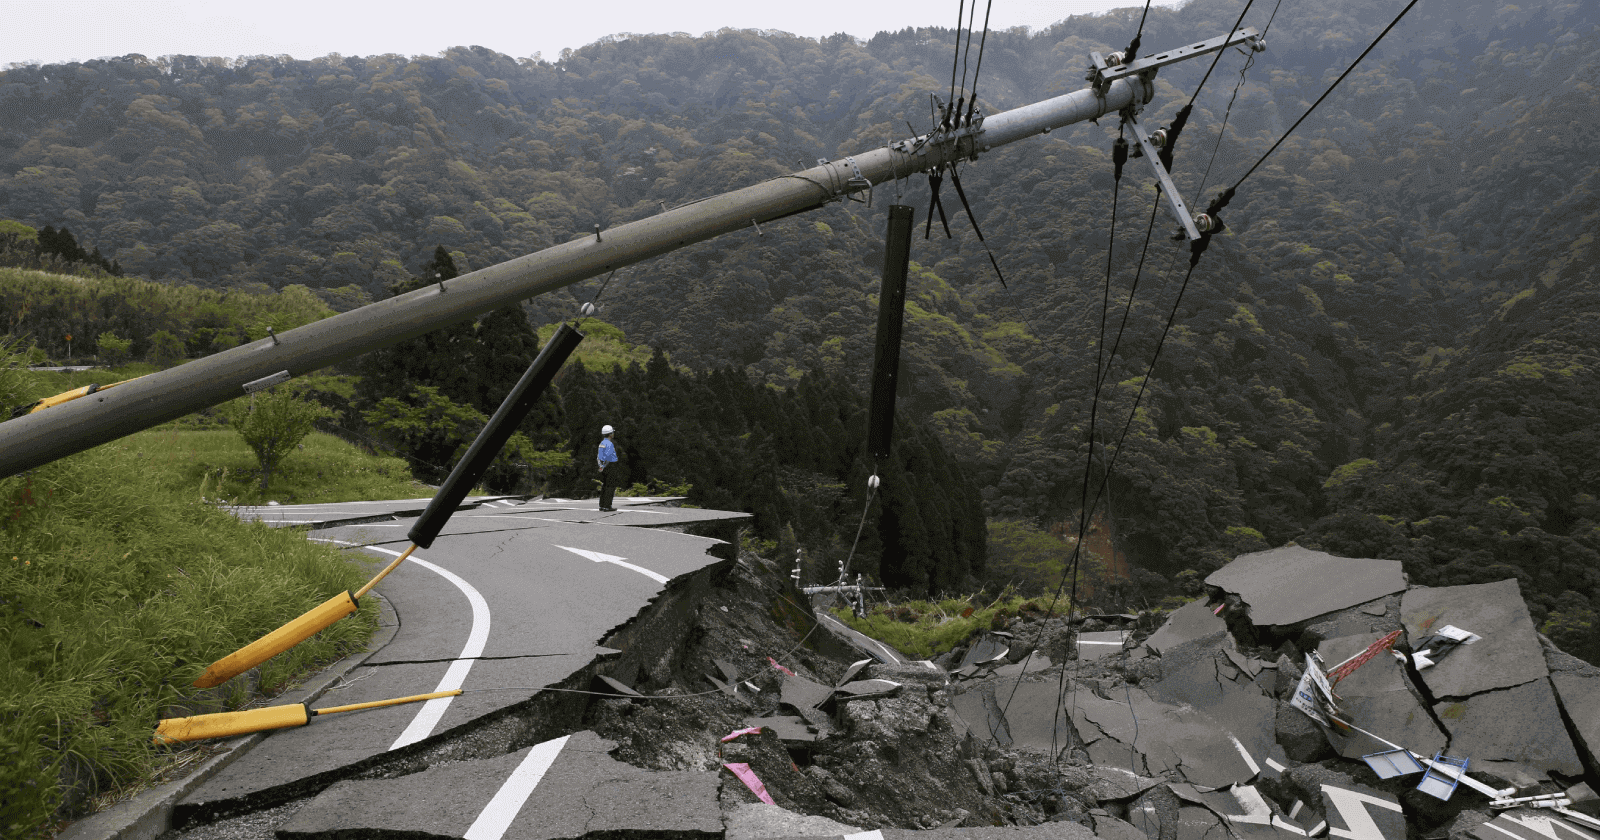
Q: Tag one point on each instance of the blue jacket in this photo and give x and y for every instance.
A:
(608, 452)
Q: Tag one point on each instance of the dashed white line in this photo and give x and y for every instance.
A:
(496, 817)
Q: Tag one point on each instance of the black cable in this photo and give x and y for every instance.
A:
(1324, 95)
(955, 61)
(965, 56)
(1119, 156)
(1218, 57)
(972, 102)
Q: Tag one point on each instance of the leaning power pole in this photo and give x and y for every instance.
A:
(95, 418)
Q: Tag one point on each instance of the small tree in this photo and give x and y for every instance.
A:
(273, 423)
(114, 350)
(165, 348)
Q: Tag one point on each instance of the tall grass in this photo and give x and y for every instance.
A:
(117, 587)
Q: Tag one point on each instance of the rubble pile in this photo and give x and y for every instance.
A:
(1312, 694)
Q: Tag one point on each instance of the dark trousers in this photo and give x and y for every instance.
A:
(608, 484)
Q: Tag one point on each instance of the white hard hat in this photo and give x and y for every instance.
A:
(606, 430)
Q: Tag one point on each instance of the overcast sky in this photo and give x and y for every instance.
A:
(78, 30)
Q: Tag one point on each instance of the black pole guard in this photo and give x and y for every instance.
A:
(891, 320)
(487, 445)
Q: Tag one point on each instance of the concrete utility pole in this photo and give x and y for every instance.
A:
(93, 419)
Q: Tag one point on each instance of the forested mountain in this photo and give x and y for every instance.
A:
(1409, 252)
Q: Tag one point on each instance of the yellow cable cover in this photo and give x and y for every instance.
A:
(278, 641)
(226, 724)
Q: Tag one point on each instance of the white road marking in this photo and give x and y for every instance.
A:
(496, 817)
(1351, 805)
(1255, 769)
(611, 558)
(432, 711)
(863, 835)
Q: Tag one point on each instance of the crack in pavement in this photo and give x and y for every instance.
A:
(464, 659)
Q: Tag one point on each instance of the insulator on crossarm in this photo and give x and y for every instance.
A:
(1207, 223)
(1158, 138)
(1115, 59)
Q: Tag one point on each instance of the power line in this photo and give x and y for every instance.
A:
(1353, 64)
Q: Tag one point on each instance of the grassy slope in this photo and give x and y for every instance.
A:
(118, 586)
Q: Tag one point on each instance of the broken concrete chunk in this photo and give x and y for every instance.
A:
(1509, 654)
(1292, 584)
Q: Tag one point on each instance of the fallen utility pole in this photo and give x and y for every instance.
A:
(107, 414)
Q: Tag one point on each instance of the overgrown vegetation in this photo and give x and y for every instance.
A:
(118, 585)
(925, 629)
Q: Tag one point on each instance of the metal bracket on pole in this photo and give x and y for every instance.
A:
(1167, 187)
(1110, 72)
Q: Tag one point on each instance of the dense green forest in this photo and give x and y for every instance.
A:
(1388, 352)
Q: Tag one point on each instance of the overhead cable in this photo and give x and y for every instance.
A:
(1324, 95)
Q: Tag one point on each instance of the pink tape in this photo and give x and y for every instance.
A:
(780, 667)
(748, 776)
(737, 732)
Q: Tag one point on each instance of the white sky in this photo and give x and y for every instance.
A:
(79, 30)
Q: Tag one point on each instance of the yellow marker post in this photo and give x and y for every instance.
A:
(291, 634)
(228, 724)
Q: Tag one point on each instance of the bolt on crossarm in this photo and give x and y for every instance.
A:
(73, 426)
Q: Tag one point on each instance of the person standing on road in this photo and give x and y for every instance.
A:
(607, 457)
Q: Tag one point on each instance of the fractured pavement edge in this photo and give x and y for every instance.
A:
(149, 815)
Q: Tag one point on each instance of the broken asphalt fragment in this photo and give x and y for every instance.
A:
(1508, 656)
(1102, 644)
(788, 728)
(1292, 584)
(619, 687)
(868, 689)
(1526, 824)
(1187, 623)
(1379, 697)
(561, 788)
(1515, 733)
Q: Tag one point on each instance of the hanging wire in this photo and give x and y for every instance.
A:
(1324, 95)
(844, 568)
(1249, 61)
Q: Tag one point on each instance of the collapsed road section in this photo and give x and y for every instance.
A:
(626, 680)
